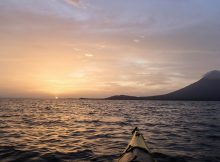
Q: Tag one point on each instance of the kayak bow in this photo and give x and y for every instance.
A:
(137, 150)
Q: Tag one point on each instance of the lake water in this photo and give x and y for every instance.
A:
(98, 130)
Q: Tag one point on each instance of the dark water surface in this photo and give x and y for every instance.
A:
(83, 130)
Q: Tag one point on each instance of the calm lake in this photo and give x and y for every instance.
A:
(96, 130)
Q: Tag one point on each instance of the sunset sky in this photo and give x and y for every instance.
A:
(98, 48)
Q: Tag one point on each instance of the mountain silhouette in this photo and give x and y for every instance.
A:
(206, 89)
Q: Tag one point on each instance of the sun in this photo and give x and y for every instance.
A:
(56, 97)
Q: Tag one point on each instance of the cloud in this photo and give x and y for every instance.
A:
(136, 40)
(75, 3)
(88, 54)
(144, 48)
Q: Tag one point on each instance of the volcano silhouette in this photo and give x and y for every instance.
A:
(206, 89)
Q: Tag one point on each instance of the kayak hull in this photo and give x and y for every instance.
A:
(137, 150)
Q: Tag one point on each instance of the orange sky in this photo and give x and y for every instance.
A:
(94, 48)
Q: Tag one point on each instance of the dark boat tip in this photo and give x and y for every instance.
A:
(135, 129)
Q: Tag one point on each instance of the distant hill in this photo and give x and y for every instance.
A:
(206, 89)
(123, 97)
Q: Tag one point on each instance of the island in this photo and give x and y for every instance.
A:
(206, 89)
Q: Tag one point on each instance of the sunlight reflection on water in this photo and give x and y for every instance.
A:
(88, 130)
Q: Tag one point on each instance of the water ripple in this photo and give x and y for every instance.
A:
(82, 130)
